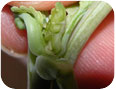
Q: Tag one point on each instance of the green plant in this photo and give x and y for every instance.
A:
(56, 40)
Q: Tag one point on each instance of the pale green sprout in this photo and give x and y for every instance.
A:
(55, 44)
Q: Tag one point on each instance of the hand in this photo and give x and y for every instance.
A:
(95, 65)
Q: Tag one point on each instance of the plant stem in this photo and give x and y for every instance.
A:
(93, 17)
(34, 80)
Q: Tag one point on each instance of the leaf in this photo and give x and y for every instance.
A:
(56, 27)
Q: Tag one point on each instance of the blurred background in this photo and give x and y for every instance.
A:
(13, 71)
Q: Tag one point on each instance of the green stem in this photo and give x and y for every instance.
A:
(61, 70)
(73, 18)
(67, 81)
(34, 80)
(93, 17)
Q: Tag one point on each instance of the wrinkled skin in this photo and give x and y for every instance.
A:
(94, 67)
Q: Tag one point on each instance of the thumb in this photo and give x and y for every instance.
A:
(95, 65)
(11, 37)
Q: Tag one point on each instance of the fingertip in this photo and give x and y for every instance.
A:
(95, 65)
(11, 37)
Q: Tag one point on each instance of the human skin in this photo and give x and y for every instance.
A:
(94, 67)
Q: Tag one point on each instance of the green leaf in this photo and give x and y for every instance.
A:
(50, 68)
(56, 27)
(36, 14)
(19, 23)
(34, 31)
(34, 21)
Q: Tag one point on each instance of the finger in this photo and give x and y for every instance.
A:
(95, 65)
(12, 38)
(41, 5)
